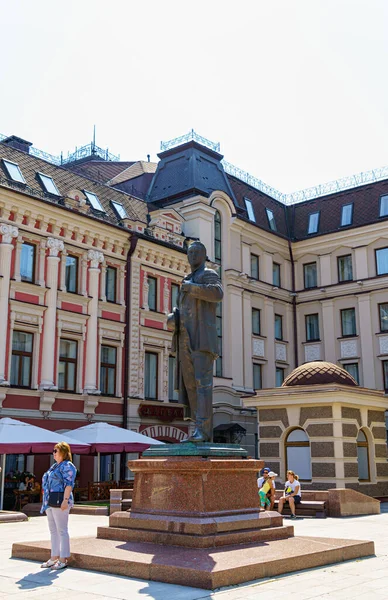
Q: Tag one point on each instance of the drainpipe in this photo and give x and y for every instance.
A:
(295, 326)
(132, 247)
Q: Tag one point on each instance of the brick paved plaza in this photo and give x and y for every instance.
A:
(355, 579)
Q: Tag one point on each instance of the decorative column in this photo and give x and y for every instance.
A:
(49, 335)
(366, 337)
(8, 232)
(122, 285)
(145, 292)
(328, 330)
(62, 277)
(103, 283)
(96, 258)
(269, 324)
(166, 297)
(42, 259)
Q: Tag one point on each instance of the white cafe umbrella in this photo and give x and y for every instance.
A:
(17, 437)
(110, 439)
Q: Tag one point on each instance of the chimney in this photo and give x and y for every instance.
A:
(16, 142)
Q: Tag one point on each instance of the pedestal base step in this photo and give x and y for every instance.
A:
(227, 538)
(202, 568)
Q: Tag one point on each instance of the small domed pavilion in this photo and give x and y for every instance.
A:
(321, 424)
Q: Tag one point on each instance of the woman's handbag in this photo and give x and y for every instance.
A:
(55, 499)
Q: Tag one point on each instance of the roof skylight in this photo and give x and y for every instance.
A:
(94, 201)
(271, 219)
(250, 211)
(14, 171)
(119, 208)
(48, 184)
(313, 223)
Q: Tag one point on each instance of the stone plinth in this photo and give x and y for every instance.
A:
(345, 503)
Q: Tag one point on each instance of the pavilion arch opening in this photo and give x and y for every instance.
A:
(363, 456)
(298, 453)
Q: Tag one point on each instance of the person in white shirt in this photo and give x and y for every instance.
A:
(260, 483)
(292, 493)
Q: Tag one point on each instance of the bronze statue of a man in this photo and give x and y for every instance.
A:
(195, 340)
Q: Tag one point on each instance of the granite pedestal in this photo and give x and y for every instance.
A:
(195, 520)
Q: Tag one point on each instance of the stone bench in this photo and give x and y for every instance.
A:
(307, 508)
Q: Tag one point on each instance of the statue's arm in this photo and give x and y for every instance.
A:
(210, 290)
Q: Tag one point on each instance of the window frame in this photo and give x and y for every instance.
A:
(76, 274)
(271, 219)
(118, 206)
(380, 206)
(348, 335)
(376, 262)
(281, 327)
(32, 245)
(108, 366)
(171, 373)
(66, 361)
(300, 444)
(384, 365)
(217, 238)
(317, 339)
(338, 267)
(110, 268)
(312, 287)
(156, 354)
(7, 162)
(177, 287)
(363, 445)
(42, 177)
(380, 318)
(250, 210)
(357, 379)
(351, 204)
(22, 354)
(255, 258)
(318, 213)
(155, 279)
(276, 264)
(219, 362)
(279, 370)
(256, 311)
(93, 198)
(259, 366)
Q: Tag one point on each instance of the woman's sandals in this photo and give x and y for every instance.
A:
(54, 564)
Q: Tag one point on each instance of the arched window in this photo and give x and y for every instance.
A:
(363, 457)
(218, 260)
(298, 455)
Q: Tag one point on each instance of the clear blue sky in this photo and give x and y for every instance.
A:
(295, 92)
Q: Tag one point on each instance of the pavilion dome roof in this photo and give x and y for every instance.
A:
(319, 373)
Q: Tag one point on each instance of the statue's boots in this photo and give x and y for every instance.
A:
(203, 431)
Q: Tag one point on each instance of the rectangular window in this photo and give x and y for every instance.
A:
(152, 293)
(312, 328)
(94, 201)
(348, 322)
(14, 171)
(250, 211)
(119, 208)
(219, 339)
(310, 275)
(111, 284)
(279, 376)
(257, 377)
(276, 274)
(384, 206)
(352, 369)
(313, 223)
(151, 376)
(71, 274)
(173, 396)
(382, 261)
(278, 327)
(385, 375)
(383, 312)
(255, 321)
(271, 219)
(67, 367)
(254, 266)
(347, 215)
(174, 295)
(345, 268)
(21, 361)
(49, 184)
(108, 370)
(27, 262)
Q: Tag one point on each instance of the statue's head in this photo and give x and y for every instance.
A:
(196, 255)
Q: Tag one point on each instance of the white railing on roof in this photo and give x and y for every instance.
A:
(316, 191)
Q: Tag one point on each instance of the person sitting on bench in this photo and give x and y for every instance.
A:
(266, 490)
(292, 493)
(271, 492)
